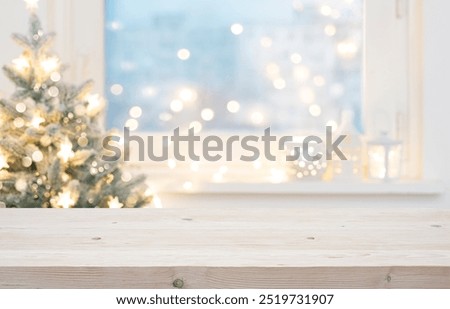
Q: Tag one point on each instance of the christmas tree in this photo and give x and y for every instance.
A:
(51, 137)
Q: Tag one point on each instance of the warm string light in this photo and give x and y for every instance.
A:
(36, 121)
(115, 203)
(184, 54)
(237, 29)
(95, 104)
(3, 162)
(278, 175)
(65, 199)
(347, 49)
(65, 153)
(50, 64)
(21, 64)
(156, 202)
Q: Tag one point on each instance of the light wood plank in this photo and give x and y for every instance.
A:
(268, 247)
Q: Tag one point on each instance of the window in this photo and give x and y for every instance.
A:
(233, 65)
(373, 51)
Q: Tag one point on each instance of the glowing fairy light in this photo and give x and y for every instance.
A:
(296, 58)
(171, 163)
(277, 175)
(115, 203)
(37, 156)
(257, 164)
(55, 77)
(65, 152)
(126, 177)
(95, 104)
(279, 83)
(19, 122)
(132, 124)
(233, 106)
(315, 110)
(165, 117)
(237, 29)
(3, 162)
(116, 89)
(176, 106)
(257, 118)
(207, 114)
(53, 91)
(217, 177)
(326, 10)
(330, 30)
(187, 95)
(333, 124)
(116, 25)
(197, 126)
(188, 185)
(156, 202)
(184, 54)
(319, 80)
(26, 161)
(21, 64)
(347, 49)
(65, 199)
(136, 112)
(50, 64)
(21, 107)
(301, 73)
(149, 92)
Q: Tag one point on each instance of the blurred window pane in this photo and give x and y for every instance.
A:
(233, 65)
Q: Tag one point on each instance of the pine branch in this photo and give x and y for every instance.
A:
(22, 41)
(8, 109)
(16, 78)
(13, 147)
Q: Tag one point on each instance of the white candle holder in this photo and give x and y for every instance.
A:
(384, 158)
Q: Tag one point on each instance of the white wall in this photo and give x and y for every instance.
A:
(436, 92)
(436, 103)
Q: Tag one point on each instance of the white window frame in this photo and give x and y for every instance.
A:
(80, 28)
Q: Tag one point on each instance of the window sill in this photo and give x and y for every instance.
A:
(411, 188)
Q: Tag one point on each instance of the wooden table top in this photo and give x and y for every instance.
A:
(233, 247)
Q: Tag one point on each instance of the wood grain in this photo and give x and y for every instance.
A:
(237, 247)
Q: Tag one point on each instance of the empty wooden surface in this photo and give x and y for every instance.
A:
(236, 247)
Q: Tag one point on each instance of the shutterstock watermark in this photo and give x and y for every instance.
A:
(214, 148)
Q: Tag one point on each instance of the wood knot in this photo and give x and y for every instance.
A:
(178, 283)
(96, 238)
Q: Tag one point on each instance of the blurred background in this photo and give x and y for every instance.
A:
(233, 65)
